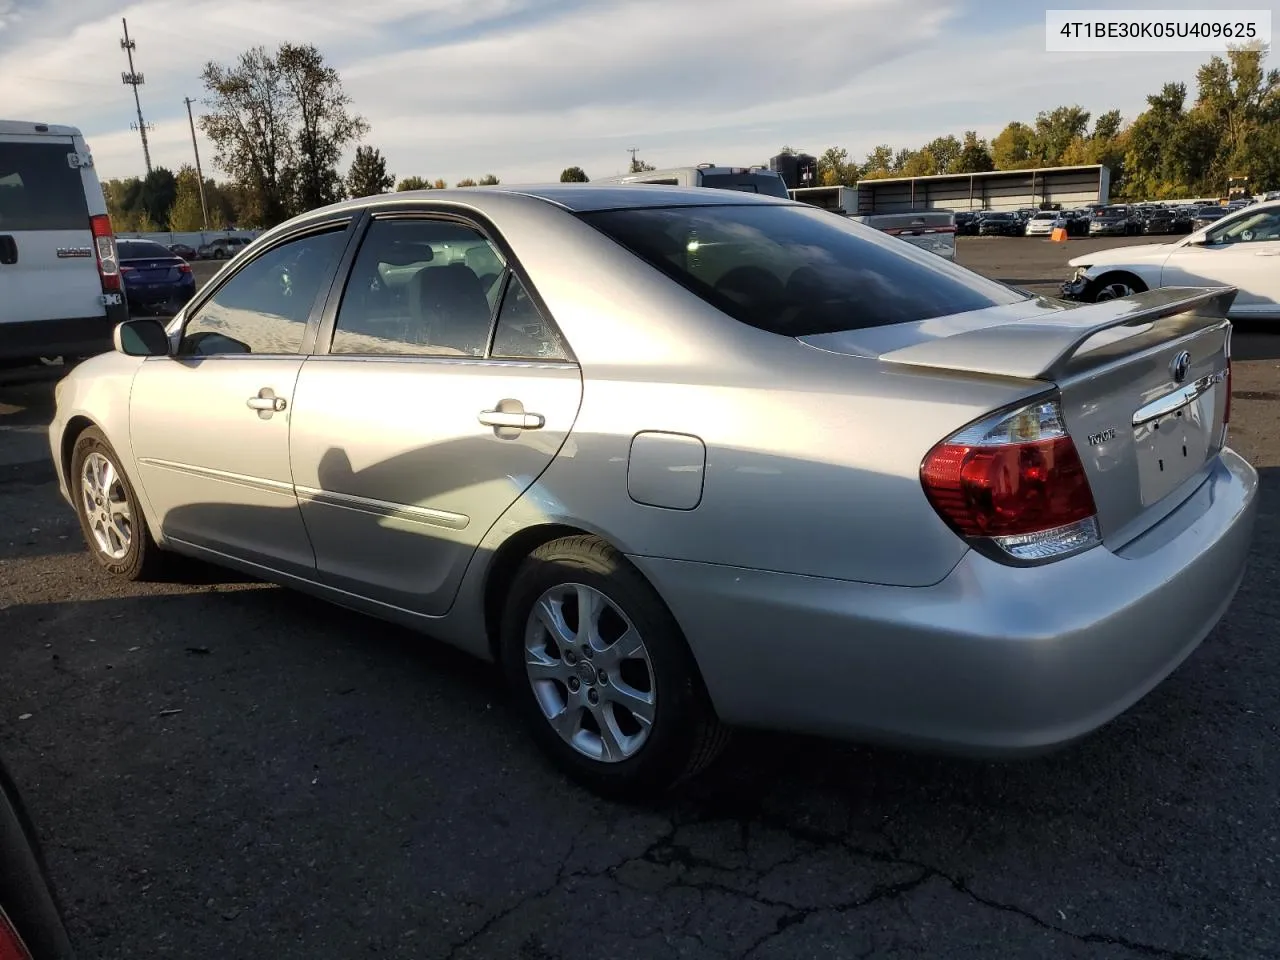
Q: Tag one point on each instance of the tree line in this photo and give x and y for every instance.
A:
(280, 121)
(1177, 147)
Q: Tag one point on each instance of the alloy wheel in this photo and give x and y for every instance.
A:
(106, 506)
(590, 671)
(1114, 291)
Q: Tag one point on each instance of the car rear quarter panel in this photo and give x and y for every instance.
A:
(812, 458)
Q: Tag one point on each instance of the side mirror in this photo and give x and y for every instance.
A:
(141, 338)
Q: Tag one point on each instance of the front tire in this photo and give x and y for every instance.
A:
(1113, 286)
(111, 517)
(601, 674)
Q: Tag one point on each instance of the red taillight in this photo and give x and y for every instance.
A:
(184, 268)
(1016, 480)
(105, 246)
(11, 946)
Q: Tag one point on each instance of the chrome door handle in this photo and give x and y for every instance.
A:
(514, 420)
(266, 403)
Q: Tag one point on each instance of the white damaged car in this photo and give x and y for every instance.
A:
(1241, 250)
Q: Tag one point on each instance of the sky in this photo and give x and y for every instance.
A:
(524, 88)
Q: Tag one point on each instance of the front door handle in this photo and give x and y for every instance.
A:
(266, 403)
(512, 420)
(8, 250)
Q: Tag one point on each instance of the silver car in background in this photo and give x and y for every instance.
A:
(681, 460)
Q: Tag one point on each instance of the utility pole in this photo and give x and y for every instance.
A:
(204, 207)
(135, 80)
(631, 150)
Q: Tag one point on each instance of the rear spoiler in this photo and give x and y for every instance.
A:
(1043, 348)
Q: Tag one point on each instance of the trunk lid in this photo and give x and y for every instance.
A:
(1143, 383)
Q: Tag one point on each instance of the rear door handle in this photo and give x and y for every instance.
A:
(512, 420)
(8, 250)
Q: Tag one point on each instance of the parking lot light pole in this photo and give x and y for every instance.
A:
(204, 207)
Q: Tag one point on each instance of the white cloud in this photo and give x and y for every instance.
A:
(523, 88)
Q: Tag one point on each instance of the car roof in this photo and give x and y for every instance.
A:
(574, 197)
(28, 128)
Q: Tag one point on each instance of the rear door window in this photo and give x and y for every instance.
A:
(39, 189)
(796, 270)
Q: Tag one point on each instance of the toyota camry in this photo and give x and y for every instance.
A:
(684, 460)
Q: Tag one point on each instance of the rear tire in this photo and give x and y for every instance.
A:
(618, 706)
(111, 517)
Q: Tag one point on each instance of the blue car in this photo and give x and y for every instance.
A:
(155, 279)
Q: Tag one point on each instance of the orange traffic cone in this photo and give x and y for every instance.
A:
(1059, 235)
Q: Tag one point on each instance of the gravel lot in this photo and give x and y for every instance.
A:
(223, 768)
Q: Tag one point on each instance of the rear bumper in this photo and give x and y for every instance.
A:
(74, 337)
(167, 298)
(993, 660)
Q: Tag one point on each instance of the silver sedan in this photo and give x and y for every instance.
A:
(684, 460)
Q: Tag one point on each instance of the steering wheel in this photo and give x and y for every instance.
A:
(1246, 235)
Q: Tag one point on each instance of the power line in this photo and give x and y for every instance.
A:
(134, 79)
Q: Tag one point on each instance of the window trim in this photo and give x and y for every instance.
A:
(211, 290)
(482, 225)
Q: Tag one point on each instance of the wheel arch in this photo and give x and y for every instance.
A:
(76, 426)
(506, 561)
(1110, 274)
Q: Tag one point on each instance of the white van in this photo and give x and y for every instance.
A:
(60, 293)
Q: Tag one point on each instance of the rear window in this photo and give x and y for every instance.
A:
(39, 190)
(137, 249)
(797, 270)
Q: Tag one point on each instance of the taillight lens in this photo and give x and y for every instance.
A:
(11, 946)
(184, 268)
(105, 244)
(1016, 481)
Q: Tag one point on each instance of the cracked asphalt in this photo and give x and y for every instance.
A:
(226, 769)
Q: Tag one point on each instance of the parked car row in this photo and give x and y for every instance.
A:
(219, 248)
(1099, 220)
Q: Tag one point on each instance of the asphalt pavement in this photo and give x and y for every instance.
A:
(226, 769)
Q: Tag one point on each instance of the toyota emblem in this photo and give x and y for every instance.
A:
(1179, 365)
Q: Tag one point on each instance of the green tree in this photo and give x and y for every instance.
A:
(1054, 131)
(413, 183)
(186, 214)
(945, 152)
(159, 190)
(1012, 147)
(975, 155)
(250, 123)
(465, 182)
(488, 180)
(573, 175)
(324, 124)
(279, 123)
(639, 166)
(835, 168)
(368, 174)
(1107, 126)
(879, 162)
